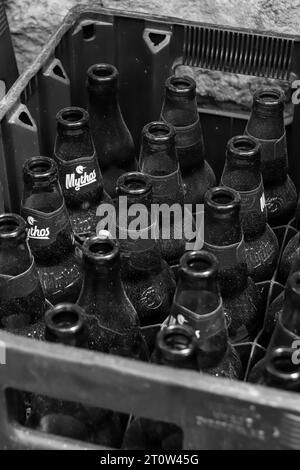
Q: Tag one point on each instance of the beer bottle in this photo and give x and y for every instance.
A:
(180, 110)
(148, 279)
(223, 236)
(176, 347)
(158, 160)
(289, 257)
(65, 324)
(22, 300)
(277, 304)
(49, 230)
(113, 141)
(266, 126)
(242, 173)
(112, 321)
(198, 303)
(79, 172)
(277, 370)
(287, 328)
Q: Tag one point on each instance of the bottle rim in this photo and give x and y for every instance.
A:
(40, 168)
(56, 317)
(158, 132)
(102, 73)
(199, 264)
(244, 147)
(293, 285)
(181, 86)
(273, 365)
(100, 250)
(134, 183)
(12, 226)
(171, 332)
(269, 97)
(72, 117)
(222, 199)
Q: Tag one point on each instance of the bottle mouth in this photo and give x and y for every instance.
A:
(293, 287)
(159, 132)
(100, 250)
(222, 199)
(72, 118)
(176, 341)
(134, 184)
(102, 74)
(64, 320)
(199, 264)
(40, 169)
(269, 98)
(181, 86)
(12, 226)
(280, 365)
(244, 148)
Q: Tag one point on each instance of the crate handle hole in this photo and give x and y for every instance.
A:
(157, 38)
(25, 119)
(88, 32)
(58, 71)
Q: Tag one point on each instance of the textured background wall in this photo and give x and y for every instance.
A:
(33, 21)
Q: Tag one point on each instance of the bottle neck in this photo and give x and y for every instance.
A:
(15, 256)
(180, 111)
(106, 105)
(280, 371)
(140, 255)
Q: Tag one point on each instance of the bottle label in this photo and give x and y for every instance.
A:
(228, 256)
(271, 148)
(252, 201)
(187, 136)
(19, 286)
(79, 175)
(43, 227)
(205, 326)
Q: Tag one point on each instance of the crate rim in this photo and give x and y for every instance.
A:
(11, 99)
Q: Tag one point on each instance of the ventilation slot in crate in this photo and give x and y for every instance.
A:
(237, 52)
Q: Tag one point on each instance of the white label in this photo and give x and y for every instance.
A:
(35, 232)
(84, 179)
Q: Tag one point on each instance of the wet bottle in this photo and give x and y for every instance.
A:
(223, 237)
(198, 303)
(112, 321)
(242, 173)
(22, 300)
(176, 347)
(158, 160)
(113, 141)
(49, 230)
(148, 279)
(180, 110)
(65, 324)
(266, 126)
(276, 305)
(277, 370)
(79, 173)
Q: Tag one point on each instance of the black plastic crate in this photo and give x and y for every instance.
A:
(213, 413)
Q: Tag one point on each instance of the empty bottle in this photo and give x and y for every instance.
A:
(287, 329)
(276, 305)
(198, 303)
(158, 160)
(111, 318)
(113, 141)
(266, 126)
(176, 347)
(223, 236)
(22, 300)
(277, 370)
(148, 279)
(242, 173)
(289, 258)
(65, 324)
(49, 230)
(79, 173)
(180, 110)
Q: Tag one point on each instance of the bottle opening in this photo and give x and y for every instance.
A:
(181, 85)
(64, 318)
(102, 73)
(176, 339)
(269, 97)
(40, 168)
(281, 365)
(96, 249)
(134, 183)
(244, 144)
(223, 199)
(158, 132)
(72, 118)
(200, 264)
(284, 364)
(101, 248)
(11, 225)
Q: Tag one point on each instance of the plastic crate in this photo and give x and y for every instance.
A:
(213, 413)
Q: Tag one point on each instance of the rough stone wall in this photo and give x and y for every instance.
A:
(33, 21)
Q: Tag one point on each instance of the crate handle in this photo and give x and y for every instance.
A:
(156, 39)
(56, 70)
